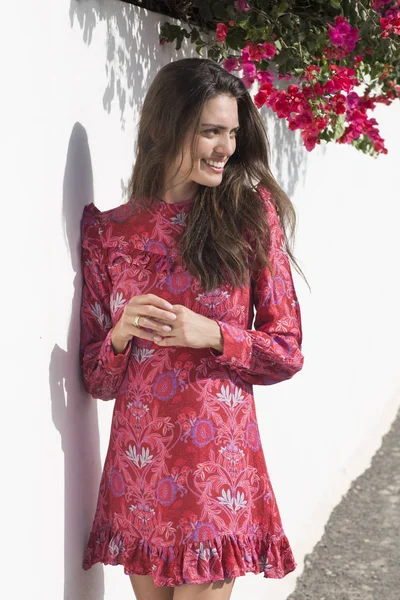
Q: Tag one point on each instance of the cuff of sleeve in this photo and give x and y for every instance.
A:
(113, 363)
(237, 350)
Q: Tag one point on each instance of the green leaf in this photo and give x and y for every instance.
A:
(325, 135)
(282, 8)
(204, 9)
(287, 22)
(219, 10)
(336, 3)
(282, 57)
(236, 39)
(339, 127)
(243, 23)
(195, 37)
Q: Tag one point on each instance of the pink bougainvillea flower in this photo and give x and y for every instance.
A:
(390, 25)
(310, 139)
(245, 57)
(343, 79)
(249, 74)
(379, 4)
(293, 89)
(338, 104)
(222, 32)
(261, 97)
(393, 11)
(280, 103)
(286, 77)
(302, 119)
(230, 64)
(257, 52)
(335, 53)
(352, 100)
(311, 72)
(254, 51)
(265, 77)
(343, 35)
(241, 6)
(269, 50)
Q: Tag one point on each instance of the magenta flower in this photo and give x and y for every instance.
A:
(343, 35)
(249, 74)
(352, 100)
(245, 58)
(230, 64)
(269, 51)
(286, 77)
(265, 77)
(241, 6)
(222, 32)
(378, 4)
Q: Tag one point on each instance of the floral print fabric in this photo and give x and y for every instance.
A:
(185, 494)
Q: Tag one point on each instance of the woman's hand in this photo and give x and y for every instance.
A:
(154, 314)
(192, 330)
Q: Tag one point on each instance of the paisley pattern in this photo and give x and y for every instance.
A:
(185, 494)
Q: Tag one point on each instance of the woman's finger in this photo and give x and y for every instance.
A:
(154, 325)
(147, 335)
(159, 307)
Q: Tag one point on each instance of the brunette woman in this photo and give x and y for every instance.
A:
(171, 282)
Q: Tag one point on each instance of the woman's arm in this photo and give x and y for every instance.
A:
(272, 351)
(102, 369)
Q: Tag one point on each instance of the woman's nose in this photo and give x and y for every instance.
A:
(226, 146)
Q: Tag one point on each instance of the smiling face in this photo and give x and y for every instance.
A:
(215, 142)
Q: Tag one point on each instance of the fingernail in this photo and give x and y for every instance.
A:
(157, 338)
(166, 328)
(168, 306)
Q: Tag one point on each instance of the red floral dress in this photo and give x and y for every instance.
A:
(185, 494)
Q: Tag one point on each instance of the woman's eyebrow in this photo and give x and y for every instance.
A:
(217, 126)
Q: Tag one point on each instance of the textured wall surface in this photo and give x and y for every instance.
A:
(74, 76)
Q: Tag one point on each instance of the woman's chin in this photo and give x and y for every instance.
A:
(210, 180)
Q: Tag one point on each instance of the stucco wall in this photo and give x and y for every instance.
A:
(74, 76)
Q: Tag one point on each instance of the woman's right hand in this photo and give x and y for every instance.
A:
(154, 312)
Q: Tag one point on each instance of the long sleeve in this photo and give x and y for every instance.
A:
(272, 351)
(102, 369)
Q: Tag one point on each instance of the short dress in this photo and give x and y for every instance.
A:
(185, 495)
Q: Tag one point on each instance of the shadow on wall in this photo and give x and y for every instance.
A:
(288, 155)
(133, 52)
(74, 412)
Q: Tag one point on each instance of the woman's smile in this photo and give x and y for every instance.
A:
(216, 167)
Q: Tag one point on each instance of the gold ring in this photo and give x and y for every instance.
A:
(136, 321)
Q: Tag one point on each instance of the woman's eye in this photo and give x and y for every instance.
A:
(234, 133)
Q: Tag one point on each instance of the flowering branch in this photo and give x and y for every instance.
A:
(323, 65)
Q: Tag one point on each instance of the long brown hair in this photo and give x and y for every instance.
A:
(227, 228)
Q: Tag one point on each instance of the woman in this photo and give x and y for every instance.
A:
(170, 282)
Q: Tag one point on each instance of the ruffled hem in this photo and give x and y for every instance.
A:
(222, 557)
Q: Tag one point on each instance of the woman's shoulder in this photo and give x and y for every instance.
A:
(93, 215)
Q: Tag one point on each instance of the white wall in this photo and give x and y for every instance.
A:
(75, 74)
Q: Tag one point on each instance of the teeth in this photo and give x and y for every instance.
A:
(219, 165)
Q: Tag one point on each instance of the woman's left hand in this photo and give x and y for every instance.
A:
(192, 330)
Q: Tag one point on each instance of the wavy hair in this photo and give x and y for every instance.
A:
(227, 231)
